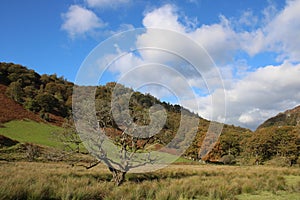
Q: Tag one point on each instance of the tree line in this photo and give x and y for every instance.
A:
(45, 94)
(38, 93)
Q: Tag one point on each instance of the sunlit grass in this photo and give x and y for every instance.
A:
(30, 131)
(281, 195)
(24, 180)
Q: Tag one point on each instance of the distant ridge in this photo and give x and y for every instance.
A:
(290, 117)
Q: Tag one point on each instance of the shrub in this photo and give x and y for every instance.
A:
(32, 151)
(228, 160)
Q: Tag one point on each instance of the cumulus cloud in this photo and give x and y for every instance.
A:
(134, 71)
(279, 33)
(79, 21)
(252, 96)
(163, 17)
(218, 39)
(263, 93)
(253, 42)
(284, 30)
(106, 3)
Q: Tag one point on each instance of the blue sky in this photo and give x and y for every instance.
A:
(255, 45)
(32, 30)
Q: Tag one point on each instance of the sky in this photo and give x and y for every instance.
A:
(240, 58)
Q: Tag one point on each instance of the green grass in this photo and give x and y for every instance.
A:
(33, 180)
(282, 195)
(293, 180)
(41, 133)
(30, 131)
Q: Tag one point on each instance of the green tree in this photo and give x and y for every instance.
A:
(32, 105)
(30, 91)
(15, 91)
(269, 142)
(47, 102)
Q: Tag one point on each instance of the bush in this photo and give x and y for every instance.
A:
(228, 160)
(32, 151)
(280, 162)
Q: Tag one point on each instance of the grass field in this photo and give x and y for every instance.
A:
(183, 180)
(31, 180)
(30, 131)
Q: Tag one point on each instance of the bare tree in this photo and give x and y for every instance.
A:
(127, 150)
(118, 153)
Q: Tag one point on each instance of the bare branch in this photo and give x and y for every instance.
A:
(93, 165)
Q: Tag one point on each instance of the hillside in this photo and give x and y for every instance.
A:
(30, 131)
(278, 139)
(50, 97)
(11, 110)
(24, 94)
(288, 118)
(43, 97)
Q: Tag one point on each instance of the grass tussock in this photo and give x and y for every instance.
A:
(31, 180)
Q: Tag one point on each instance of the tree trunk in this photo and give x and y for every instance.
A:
(118, 176)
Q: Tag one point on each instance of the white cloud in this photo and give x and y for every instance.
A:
(279, 33)
(248, 19)
(218, 39)
(106, 3)
(125, 63)
(263, 93)
(269, 12)
(253, 42)
(135, 71)
(163, 17)
(79, 21)
(252, 97)
(284, 30)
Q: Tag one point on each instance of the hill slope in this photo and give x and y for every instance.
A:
(46, 96)
(30, 131)
(11, 110)
(288, 118)
(278, 138)
(52, 95)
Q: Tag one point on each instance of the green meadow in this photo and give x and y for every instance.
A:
(30, 131)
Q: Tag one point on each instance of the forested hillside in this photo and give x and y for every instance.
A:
(288, 118)
(278, 137)
(275, 142)
(41, 94)
(50, 97)
(47, 95)
(11, 110)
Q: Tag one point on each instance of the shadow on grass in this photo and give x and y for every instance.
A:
(152, 176)
(106, 177)
(136, 178)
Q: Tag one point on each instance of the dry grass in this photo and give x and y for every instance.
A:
(24, 180)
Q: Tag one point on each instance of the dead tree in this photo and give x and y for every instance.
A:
(126, 151)
(123, 152)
